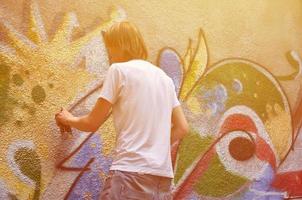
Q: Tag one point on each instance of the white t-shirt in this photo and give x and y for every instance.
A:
(143, 98)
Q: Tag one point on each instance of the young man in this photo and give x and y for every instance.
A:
(144, 106)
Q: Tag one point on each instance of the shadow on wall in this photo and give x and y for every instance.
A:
(244, 140)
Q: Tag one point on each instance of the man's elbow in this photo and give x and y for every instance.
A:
(94, 128)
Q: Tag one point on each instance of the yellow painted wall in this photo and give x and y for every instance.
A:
(259, 38)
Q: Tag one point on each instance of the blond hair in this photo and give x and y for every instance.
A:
(126, 37)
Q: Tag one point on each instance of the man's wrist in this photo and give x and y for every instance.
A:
(72, 120)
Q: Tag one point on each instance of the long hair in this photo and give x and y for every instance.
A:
(126, 37)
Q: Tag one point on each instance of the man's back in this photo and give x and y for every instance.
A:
(143, 98)
(144, 105)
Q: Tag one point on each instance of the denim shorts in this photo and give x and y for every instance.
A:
(122, 185)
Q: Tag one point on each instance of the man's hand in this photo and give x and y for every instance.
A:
(89, 122)
(62, 120)
(64, 116)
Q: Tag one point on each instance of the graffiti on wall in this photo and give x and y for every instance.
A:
(244, 138)
(242, 128)
(39, 73)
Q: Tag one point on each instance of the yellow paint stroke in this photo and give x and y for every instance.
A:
(188, 57)
(296, 63)
(8, 56)
(278, 127)
(36, 30)
(63, 34)
(196, 68)
(19, 42)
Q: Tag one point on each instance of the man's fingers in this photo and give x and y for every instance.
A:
(61, 129)
(59, 118)
(58, 115)
(58, 122)
(68, 129)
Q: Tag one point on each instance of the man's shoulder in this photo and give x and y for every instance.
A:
(136, 64)
(145, 66)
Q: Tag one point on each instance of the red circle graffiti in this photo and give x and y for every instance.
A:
(241, 148)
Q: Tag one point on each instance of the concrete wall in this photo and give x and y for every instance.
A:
(236, 66)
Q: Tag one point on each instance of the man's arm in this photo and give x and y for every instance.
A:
(90, 122)
(180, 125)
(109, 94)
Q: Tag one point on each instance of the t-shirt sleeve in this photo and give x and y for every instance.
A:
(112, 85)
(175, 101)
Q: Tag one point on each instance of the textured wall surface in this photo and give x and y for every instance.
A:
(236, 66)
